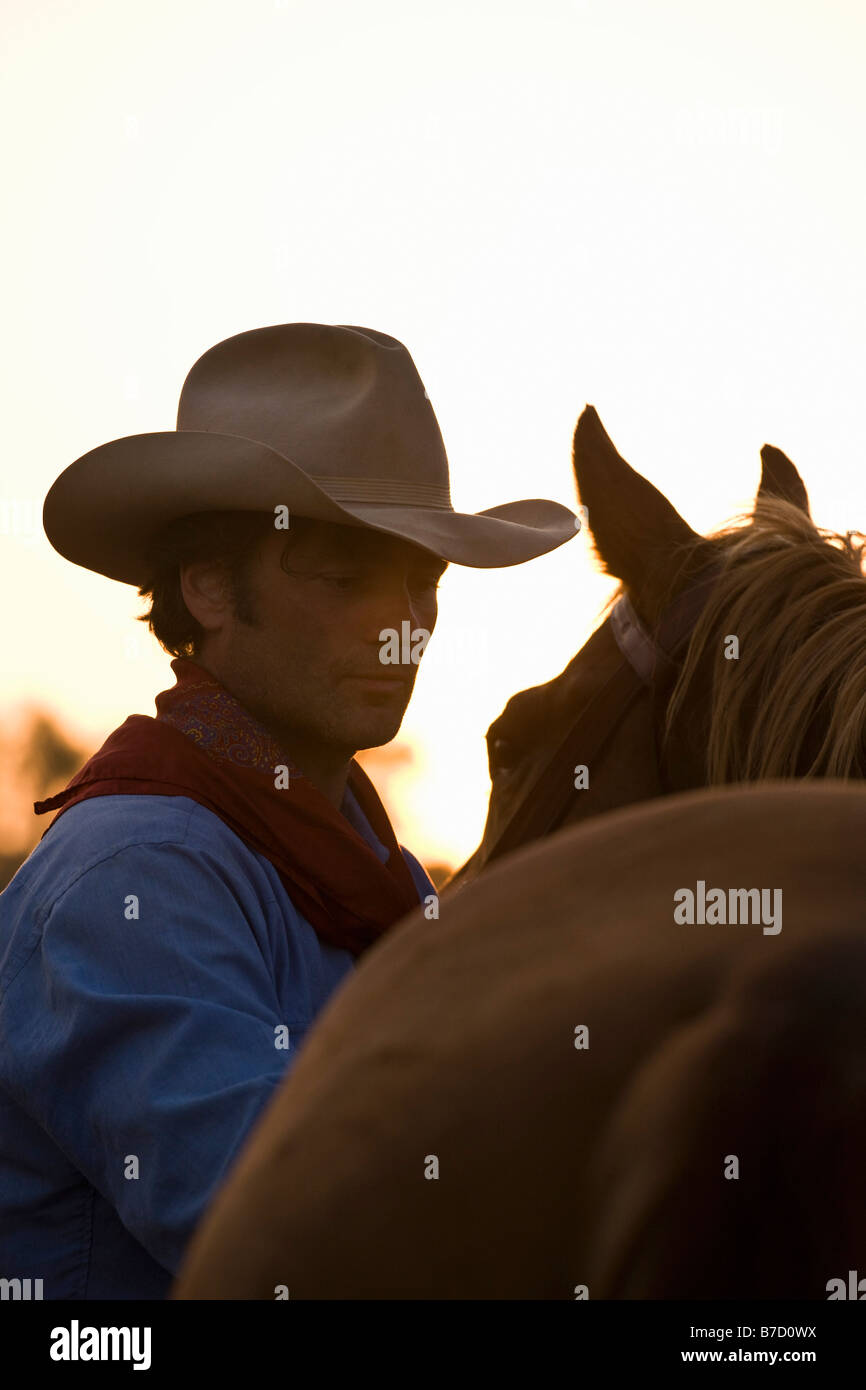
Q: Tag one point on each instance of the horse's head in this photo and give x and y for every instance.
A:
(734, 657)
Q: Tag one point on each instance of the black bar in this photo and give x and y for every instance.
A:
(404, 1340)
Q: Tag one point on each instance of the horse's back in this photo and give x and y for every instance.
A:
(559, 1084)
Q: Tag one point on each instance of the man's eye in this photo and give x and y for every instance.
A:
(426, 583)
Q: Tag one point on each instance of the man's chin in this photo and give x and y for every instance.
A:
(374, 733)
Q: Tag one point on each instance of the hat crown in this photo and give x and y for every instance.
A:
(344, 403)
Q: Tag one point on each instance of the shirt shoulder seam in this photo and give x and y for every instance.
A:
(45, 912)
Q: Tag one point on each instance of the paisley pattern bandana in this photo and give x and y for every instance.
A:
(217, 724)
(205, 745)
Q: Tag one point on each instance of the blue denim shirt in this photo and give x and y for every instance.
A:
(136, 1052)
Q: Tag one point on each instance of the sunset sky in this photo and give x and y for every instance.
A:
(656, 208)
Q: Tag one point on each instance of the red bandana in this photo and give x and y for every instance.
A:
(205, 745)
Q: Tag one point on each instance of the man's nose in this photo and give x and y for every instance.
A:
(393, 603)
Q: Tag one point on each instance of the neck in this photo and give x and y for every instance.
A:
(328, 771)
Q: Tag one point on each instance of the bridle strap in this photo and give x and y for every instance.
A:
(597, 720)
(633, 640)
(649, 656)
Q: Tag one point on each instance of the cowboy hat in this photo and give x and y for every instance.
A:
(331, 421)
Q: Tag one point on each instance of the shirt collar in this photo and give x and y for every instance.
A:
(356, 818)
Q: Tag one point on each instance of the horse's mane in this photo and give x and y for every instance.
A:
(794, 703)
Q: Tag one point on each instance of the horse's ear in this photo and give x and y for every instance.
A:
(779, 478)
(634, 527)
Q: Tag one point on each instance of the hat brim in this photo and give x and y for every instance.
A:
(105, 509)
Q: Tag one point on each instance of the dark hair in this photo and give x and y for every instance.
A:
(230, 539)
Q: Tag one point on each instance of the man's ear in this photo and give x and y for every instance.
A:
(779, 478)
(635, 530)
(205, 590)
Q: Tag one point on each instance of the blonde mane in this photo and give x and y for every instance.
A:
(795, 597)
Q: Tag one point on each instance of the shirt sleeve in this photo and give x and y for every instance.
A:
(148, 1033)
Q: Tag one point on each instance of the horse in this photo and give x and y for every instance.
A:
(571, 1086)
(561, 1088)
(661, 699)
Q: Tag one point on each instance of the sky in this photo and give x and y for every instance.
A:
(658, 209)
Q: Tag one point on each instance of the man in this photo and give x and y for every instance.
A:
(212, 874)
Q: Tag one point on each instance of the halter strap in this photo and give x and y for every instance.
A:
(633, 640)
(646, 655)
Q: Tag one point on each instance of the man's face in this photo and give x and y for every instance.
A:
(309, 664)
